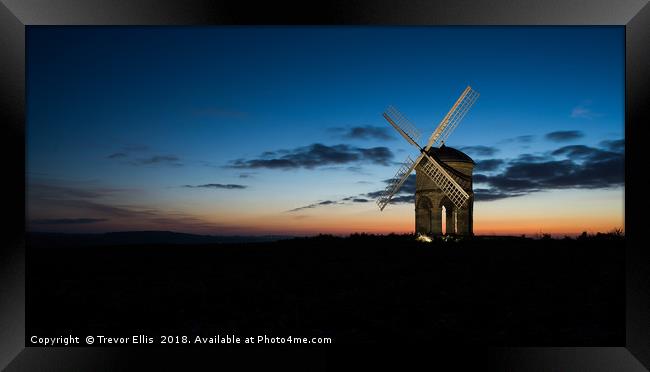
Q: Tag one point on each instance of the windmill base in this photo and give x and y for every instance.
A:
(428, 215)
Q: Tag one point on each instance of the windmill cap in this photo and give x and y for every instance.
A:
(450, 154)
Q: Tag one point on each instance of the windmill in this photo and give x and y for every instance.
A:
(452, 185)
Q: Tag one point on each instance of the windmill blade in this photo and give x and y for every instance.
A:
(445, 182)
(463, 180)
(396, 182)
(453, 117)
(402, 125)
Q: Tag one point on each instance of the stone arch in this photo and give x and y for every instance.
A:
(451, 214)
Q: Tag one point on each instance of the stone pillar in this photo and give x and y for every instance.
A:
(423, 220)
(451, 220)
(436, 221)
(464, 222)
(470, 217)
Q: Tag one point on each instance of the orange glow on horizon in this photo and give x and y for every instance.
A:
(566, 212)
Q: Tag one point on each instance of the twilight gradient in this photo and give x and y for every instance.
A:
(278, 130)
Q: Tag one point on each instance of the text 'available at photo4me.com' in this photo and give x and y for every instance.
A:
(229, 339)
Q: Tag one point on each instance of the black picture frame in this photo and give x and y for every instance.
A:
(16, 15)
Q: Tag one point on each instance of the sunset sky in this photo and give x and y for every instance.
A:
(278, 130)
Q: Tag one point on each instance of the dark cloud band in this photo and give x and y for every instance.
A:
(366, 133)
(67, 221)
(229, 186)
(316, 155)
(576, 166)
(564, 136)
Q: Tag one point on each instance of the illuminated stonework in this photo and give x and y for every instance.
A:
(429, 199)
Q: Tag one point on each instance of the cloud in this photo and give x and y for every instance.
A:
(588, 153)
(404, 195)
(564, 136)
(614, 145)
(403, 199)
(126, 150)
(575, 166)
(98, 204)
(583, 111)
(490, 194)
(365, 132)
(357, 169)
(315, 155)
(169, 160)
(488, 165)
(532, 158)
(102, 208)
(89, 201)
(66, 221)
(314, 205)
(574, 151)
(480, 150)
(217, 186)
(580, 112)
(528, 138)
(52, 191)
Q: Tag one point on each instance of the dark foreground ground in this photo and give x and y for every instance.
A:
(494, 291)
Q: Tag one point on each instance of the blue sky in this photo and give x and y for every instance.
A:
(136, 114)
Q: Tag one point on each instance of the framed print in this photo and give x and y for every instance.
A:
(185, 177)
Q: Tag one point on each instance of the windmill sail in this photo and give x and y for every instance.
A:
(453, 117)
(451, 182)
(444, 181)
(402, 125)
(396, 182)
(461, 179)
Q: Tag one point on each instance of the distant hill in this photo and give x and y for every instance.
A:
(139, 238)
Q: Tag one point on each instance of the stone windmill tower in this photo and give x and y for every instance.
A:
(430, 199)
(443, 174)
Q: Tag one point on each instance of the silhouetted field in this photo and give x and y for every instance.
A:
(495, 291)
